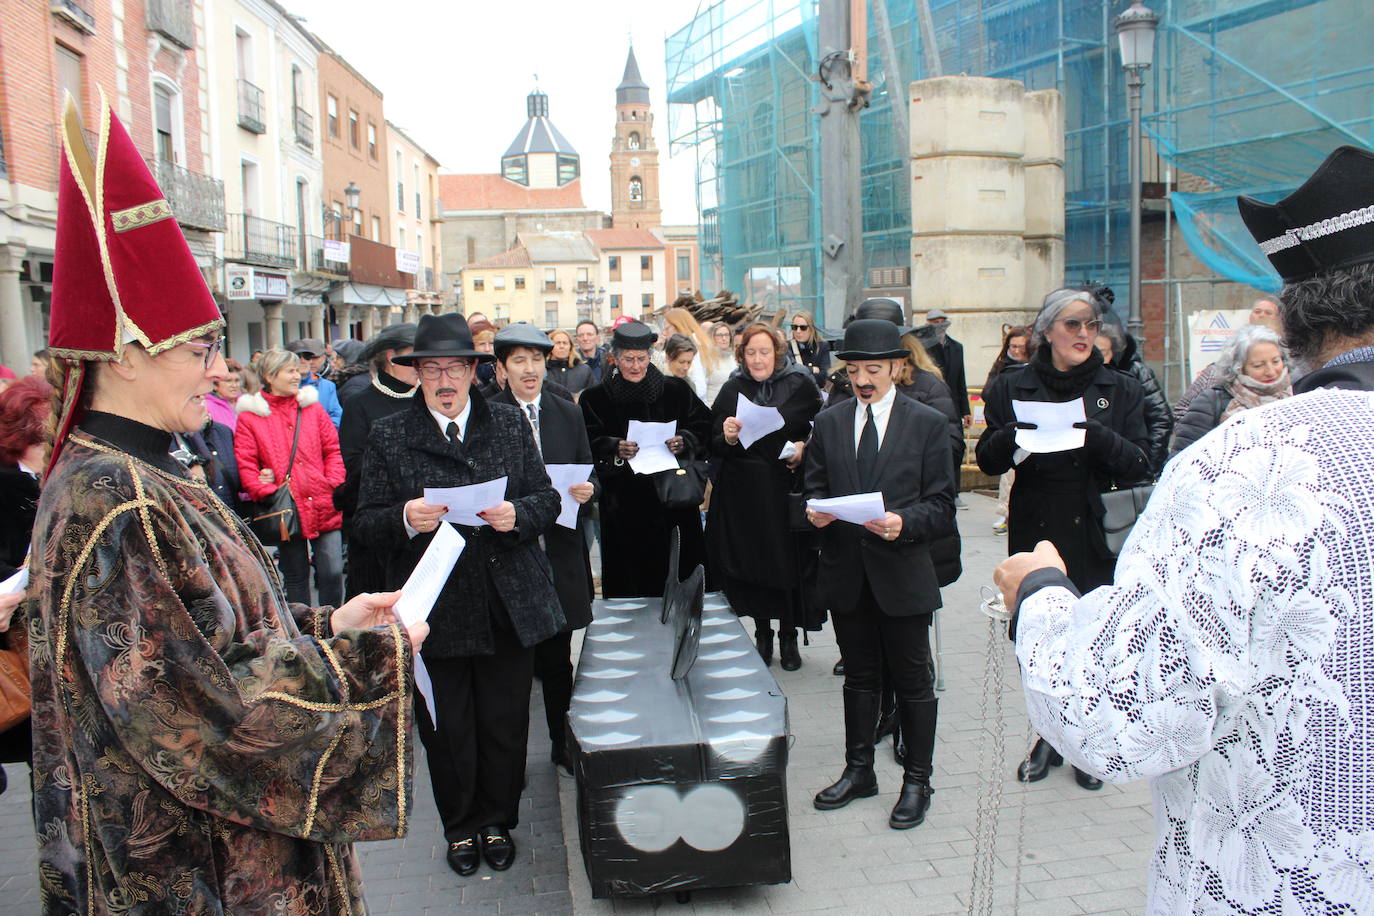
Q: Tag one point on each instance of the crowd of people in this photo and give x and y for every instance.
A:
(211, 730)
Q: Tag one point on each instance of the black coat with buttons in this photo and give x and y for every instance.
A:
(501, 576)
(1055, 496)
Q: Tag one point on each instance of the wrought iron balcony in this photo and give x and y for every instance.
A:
(250, 108)
(173, 20)
(305, 127)
(260, 241)
(74, 13)
(197, 200)
(311, 257)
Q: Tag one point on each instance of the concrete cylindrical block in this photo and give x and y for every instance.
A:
(1044, 200)
(1043, 112)
(968, 194)
(1044, 269)
(967, 114)
(967, 271)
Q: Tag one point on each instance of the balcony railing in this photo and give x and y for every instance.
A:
(305, 127)
(173, 20)
(250, 108)
(310, 256)
(260, 241)
(74, 13)
(197, 200)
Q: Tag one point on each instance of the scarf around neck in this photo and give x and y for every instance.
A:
(1247, 392)
(1070, 382)
(645, 391)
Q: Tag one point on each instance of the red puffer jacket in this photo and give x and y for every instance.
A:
(263, 440)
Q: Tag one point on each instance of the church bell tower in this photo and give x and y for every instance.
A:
(634, 155)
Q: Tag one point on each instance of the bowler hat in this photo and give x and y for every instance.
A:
(633, 335)
(442, 335)
(871, 338)
(520, 334)
(886, 309)
(392, 337)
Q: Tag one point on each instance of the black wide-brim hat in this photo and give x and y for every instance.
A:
(443, 336)
(1326, 224)
(886, 309)
(392, 337)
(870, 339)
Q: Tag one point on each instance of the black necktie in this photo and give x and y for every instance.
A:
(452, 432)
(534, 425)
(868, 451)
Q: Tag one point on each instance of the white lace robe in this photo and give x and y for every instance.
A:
(1232, 662)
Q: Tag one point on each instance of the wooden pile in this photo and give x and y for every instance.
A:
(725, 306)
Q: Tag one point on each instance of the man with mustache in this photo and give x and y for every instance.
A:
(878, 579)
(499, 602)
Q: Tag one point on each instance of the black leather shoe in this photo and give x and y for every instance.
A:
(1086, 780)
(858, 779)
(465, 855)
(838, 670)
(912, 804)
(498, 848)
(788, 652)
(561, 761)
(1037, 766)
(764, 640)
(853, 783)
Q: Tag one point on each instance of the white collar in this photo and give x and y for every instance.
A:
(26, 469)
(461, 419)
(524, 405)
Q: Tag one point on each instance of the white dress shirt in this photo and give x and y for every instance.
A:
(443, 421)
(882, 412)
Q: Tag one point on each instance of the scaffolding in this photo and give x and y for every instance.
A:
(1246, 97)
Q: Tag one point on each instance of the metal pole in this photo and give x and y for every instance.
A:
(841, 205)
(1135, 82)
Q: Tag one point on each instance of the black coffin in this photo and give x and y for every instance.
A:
(681, 784)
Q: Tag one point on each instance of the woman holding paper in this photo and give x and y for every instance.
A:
(760, 562)
(1055, 494)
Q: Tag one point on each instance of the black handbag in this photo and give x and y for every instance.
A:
(1121, 507)
(275, 519)
(684, 488)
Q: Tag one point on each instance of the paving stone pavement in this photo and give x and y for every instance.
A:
(1079, 852)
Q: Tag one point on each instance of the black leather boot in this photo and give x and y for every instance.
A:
(788, 653)
(887, 717)
(1037, 766)
(899, 745)
(763, 638)
(918, 727)
(858, 779)
(1086, 780)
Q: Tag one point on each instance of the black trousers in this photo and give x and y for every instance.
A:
(868, 637)
(553, 666)
(477, 754)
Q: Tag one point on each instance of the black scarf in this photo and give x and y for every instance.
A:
(642, 392)
(1069, 383)
(774, 390)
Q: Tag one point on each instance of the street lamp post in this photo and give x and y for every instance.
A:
(1135, 29)
(352, 198)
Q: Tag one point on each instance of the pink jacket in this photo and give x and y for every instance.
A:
(222, 411)
(263, 440)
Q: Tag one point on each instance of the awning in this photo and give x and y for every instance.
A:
(367, 294)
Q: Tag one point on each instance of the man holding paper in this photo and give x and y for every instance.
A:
(636, 528)
(878, 578)
(561, 435)
(499, 602)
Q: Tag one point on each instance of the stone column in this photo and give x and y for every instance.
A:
(14, 337)
(369, 321)
(317, 320)
(273, 332)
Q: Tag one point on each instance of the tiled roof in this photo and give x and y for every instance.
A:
(558, 247)
(621, 239)
(492, 192)
(516, 257)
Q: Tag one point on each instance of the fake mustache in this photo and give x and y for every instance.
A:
(866, 389)
(446, 392)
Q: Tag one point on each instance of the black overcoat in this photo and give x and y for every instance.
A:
(563, 440)
(916, 479)
(748, 534)
(949, 356)
(1159, 415)
(406, 452)
(635, 528)
(1203, 416)
(18, 507)
(1055, 497)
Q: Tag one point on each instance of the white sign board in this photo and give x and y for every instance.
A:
(336, 251)
(1209, 333)
(407, 262)
(238, 281)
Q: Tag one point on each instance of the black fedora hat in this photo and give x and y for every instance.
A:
(886, 309)
(392, 337)
(442, 335)
(871, 338)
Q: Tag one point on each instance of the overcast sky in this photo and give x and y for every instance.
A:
(455, 76)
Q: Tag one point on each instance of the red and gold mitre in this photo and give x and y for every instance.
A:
(122, 271)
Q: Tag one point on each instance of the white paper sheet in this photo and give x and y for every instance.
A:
(15, 583)
(653, 453)
(858, 508)
(465, 502)
(755, 421)
(1056, 432)
(563, 477)
(426, 688)
(420, 592)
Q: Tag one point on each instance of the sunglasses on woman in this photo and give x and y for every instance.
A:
(1074, 325)
(801, 327)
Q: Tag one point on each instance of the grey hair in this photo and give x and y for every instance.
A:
(1238, 350)
(1114, 333)
(274, 361)
(1054, 305)
(1333, 304)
